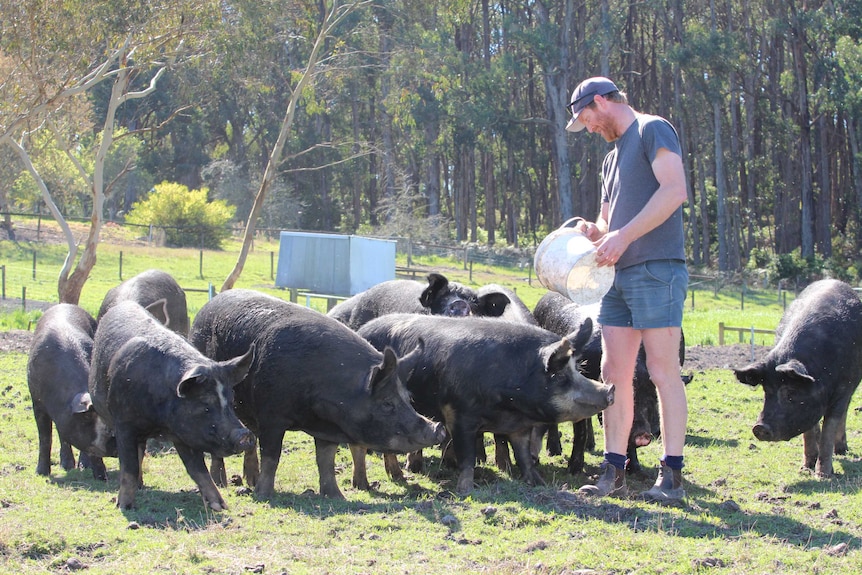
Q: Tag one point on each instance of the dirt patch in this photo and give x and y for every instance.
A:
(700, 357)
(15, 340)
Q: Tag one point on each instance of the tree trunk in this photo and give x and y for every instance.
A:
(490, 186)
(557, 94)
(720, 189)
(803, 122)
(824, 202)
(856, 170)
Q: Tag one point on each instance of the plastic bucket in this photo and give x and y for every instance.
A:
(565, 262)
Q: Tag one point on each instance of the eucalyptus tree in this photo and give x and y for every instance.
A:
(331, 16)
(54, 56)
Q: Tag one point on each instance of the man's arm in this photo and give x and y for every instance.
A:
(671, 194)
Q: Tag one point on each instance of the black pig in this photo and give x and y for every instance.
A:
(152, 287)
(481, 374)
(438, 297)
(312, 374)
(57, 372)
(147, 380)
(811, 372)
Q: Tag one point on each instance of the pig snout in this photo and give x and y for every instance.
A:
(763, 431)
(643, 438)
(242, 439)
(610, 396)
(458, 308)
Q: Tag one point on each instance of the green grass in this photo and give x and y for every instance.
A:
(750, 509)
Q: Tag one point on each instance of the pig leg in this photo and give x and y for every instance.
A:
(810, 449)
(197, 470)
(633, 465)
(45, 428)
(521, 447)
(67, 458)
(130, 467)
(590, 443)
(552, 443)
(841, 437)
(217, 471)
(392, 467)
(580, 434)
(464, 446)
(826, 447)
(360, 471)
(98, 467)
(270, 454)
(250, 467)
(325, 456)
(415, 462)
(501, 452)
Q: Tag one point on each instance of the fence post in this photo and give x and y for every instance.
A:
(34, 264)
(721, 333)
(23, 298)
(271, 264)
(121, 265)
(201, 264)
(3, 268)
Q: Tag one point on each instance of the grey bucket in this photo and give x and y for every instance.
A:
(565, 262)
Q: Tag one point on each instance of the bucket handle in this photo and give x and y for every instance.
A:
(572, 222)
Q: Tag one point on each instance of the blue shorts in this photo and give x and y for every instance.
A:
(646, 295)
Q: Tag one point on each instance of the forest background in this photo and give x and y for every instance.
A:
(442, 121)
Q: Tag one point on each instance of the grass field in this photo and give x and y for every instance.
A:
(750, 509)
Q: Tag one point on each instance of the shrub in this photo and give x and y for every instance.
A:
(187, 217)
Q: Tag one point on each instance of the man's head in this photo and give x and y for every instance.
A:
(584, 95)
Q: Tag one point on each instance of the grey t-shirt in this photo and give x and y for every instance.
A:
(628, 183)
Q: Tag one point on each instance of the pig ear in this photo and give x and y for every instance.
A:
(381, 374)
(408, 362)
(239, 367)
(580, 338)
(796, 369)
(493, 304)
(750, 375)
(81, 403)
(556, 356)
(190, 379)
(436, 284)
(159, 310)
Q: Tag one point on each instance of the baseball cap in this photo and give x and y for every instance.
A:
(583, 97)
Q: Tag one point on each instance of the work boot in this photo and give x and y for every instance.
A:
(668, 488)
(611, 481)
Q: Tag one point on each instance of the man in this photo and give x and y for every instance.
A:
(639, 231)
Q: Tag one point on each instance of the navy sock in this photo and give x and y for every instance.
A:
(673, 461)
(615, 459)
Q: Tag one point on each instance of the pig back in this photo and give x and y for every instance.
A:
(147, 288)
(822, 328)
(291, 339)
(130, 341)
(474, 351)
(59, 360)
